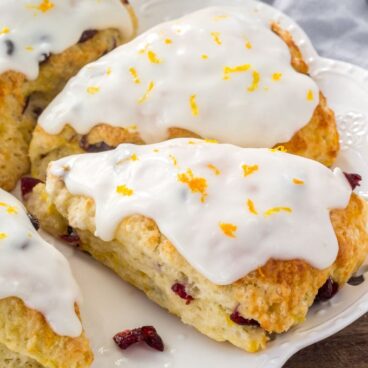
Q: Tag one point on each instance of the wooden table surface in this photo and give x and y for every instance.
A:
(347, 349)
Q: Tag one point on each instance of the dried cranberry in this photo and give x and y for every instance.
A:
(27, 184)
(87, 35)
(327, 291)
(353, 179)
(71, 236)
(356, 280)
(37, 111)
(179, 289)
(152, 338)
(10, 47)
(34, 220)
(96, 147)
(148, 334)
(127, 338)
(239, 320)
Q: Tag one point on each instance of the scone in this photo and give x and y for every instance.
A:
(220, 73)
(43, 43)
(39, 314)
(237, 242)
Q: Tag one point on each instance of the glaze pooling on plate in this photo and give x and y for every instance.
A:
(227, 210)
(220, 73)
(34, 271)
(32, 29)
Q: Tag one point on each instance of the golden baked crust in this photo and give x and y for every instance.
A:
(318, 140)
(27, 340)
(277, 295)
(10, 359)
(21, 100)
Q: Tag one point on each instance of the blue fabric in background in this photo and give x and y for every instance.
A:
(337, 28)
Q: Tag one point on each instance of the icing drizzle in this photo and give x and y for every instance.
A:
(220, 73)
(32, 29)
(34, 271)
(227, 210)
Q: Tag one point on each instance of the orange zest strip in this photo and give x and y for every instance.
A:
(298, 181)
(249, 169)
(152, 57)
(93, 90)
(228, 229)
(144, 98)
(228, 70)
(193, 105)
(135, 76)
(310, 96)
(11, 210)
(124, 190)
(174, 160)
(251, 207)
(275, 210)
(278, 149)
(276, 76)
(255, 83)
(195, 183)
(216, 37)
(214, 169)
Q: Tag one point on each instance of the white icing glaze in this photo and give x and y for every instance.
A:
(280, 210)
(34, 271)
(37, 28)
(161, 80)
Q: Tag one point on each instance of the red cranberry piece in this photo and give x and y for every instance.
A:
(148, 334)
(127, 338)
(87, 35)
(96, 147)
(10, 47)
(353, 179)
(37, 111)
(34, 220)
(356, 280)
(71, 236)
(152, 338)
(27, 184)
(327, 291)
(239, 320)
(179, 289)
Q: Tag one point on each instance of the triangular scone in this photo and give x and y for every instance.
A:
(219, 73)
(39, 315)
(34, 67)
(253, 239)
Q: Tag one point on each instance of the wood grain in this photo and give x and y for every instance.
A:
(347, 349)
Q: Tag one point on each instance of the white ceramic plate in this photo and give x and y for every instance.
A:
(110, 305)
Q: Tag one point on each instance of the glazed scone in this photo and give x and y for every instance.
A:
(221, 272)
(42, 45)
(39, 314)
(219, 73)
